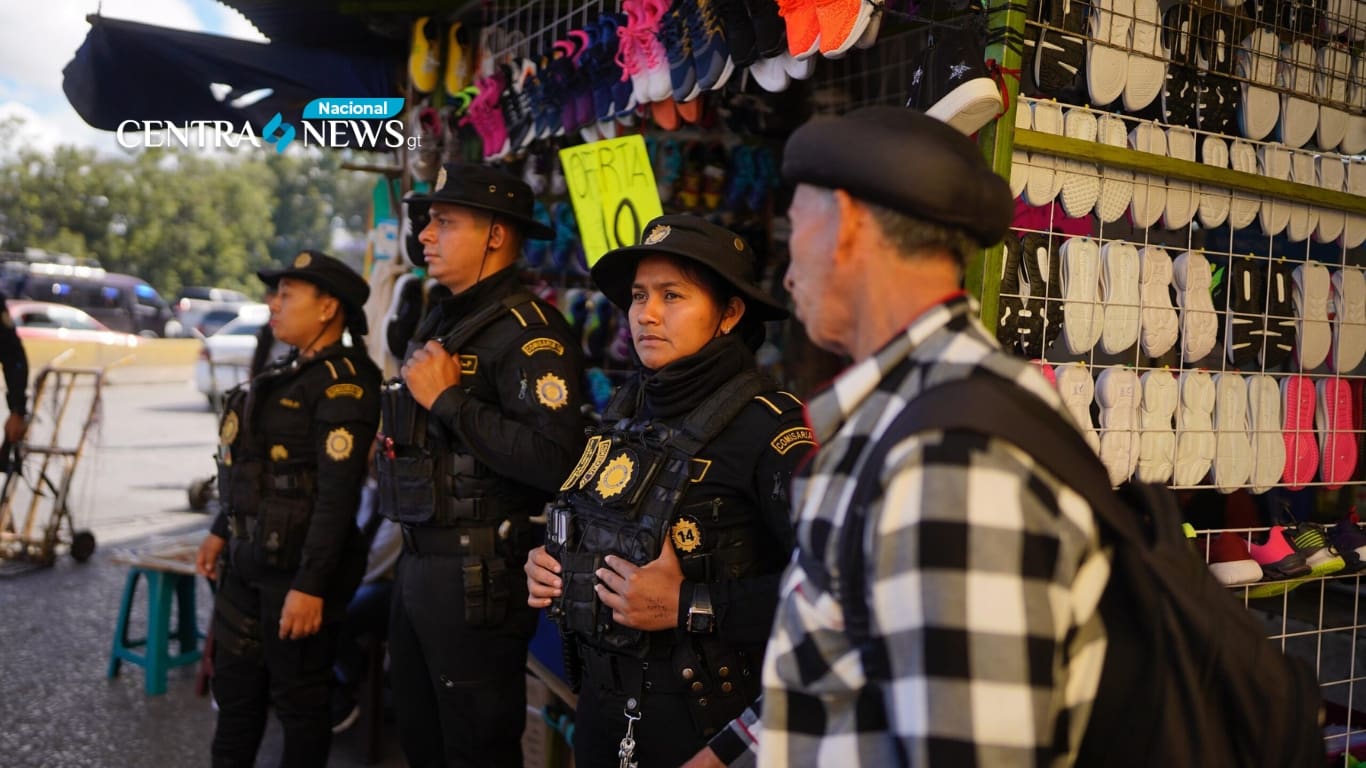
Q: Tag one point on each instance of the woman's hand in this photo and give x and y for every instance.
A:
(302, 615)
(542, 578)
(644, 597)
(206, 561)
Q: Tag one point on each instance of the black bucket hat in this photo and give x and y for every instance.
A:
(696, 239)
(486, 189)
(867, 153)
(332, 276)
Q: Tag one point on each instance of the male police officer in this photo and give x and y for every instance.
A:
(480, 433)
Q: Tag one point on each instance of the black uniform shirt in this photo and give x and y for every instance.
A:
(321, 414)
(14, 361)
(749, 465)
(517, 408)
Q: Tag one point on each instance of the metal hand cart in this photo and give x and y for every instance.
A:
(44, 463)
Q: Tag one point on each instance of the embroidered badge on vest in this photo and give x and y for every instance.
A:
(588, 451)
(542, 344)
(616, 475)
(552, 392)
(228, 432)
(786, 439)
(469, 364)
(345, 390)
(339, 444)
(686, 534)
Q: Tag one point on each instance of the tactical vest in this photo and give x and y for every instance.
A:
(269, 504)
(424, 479)
(623, 499)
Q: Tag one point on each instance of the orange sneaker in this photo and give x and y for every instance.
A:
(842, 24)
(803, 27)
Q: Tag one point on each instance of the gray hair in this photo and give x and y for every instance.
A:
(910, 235)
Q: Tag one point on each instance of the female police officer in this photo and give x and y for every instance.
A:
(665, 545)
(292, 459)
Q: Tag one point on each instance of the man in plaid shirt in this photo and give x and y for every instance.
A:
(982, 572)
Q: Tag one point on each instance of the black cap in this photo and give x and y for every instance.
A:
(904, 160)
(477, 186)
(694, 238)
(332, 276)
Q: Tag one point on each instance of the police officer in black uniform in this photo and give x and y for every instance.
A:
(293, 451)
(477, 435)
(15, 363)
(664, 549)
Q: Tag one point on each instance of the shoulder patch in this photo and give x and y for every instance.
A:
(286, 402)
(542, 344)
(789, 438)
(344, 390)
(339, 444)
(552, 391)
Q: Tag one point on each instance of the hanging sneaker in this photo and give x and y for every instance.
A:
(739, 30)
(803, 27)
(952, 83)
(1349, 541)
(673, 36)
(424, 55)
(710, 50)
(1278, 559)
(842, 24)
(770, 33)
(459, 62)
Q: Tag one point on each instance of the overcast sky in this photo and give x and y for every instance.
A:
(37, 39)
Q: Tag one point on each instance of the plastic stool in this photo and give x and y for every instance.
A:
(162, 586)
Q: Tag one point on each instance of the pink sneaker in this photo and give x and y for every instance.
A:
(1337, 444)
(1047, 371)
(641, 56)
(1301, 450)
(487, 118)
(1277, 558)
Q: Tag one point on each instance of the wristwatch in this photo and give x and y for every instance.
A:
(701, 619)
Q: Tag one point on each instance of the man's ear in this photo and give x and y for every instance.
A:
(851, 216)
(498, 234)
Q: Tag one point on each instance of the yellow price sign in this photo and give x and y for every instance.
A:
(613, 190)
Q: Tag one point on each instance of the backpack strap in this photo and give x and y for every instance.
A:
(987, 405)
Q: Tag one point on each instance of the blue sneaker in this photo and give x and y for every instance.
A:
(623, 90)
(673, 35)
(710, 54)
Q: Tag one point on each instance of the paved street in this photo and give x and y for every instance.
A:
(56, 707)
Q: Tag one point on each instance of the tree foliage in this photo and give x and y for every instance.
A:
(175, 217)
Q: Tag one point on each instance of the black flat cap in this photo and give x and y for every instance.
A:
(906, 161)
(694, 238)
(486, 189)
(332, 276)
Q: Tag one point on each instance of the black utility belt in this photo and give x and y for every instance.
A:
(450, 542)
(624, 675)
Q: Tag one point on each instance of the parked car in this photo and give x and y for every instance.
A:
(205, 310)
(46, 320)
(122, 302)
(225, 360)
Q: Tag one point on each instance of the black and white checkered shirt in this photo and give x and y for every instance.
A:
(983, 579)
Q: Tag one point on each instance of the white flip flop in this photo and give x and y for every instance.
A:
(1182, 200)
(1159, 322)
(1268, 445)
(1199, 321)
(1083, 315)
(1214, 201)
(1194, 428)
(1116, 185)
(1332, 175)
(1232, 445)
(1349, 319)
(1157, 437)
(1150, 192)
(1119, 289)
(1118, 394)
(1077, 390)
(1313, 335)
(1080, 180)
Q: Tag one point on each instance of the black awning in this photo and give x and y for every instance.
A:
(130, 71)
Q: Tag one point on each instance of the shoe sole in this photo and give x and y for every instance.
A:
(1268, 447)
(969, 106)
(1119, 290)
(1301, 449)
(1159, 321)
(1083, 320)
(1157, 438)
(1337, 443)
(1349, 319)
(1232, 446)
(1117, 393)
(1194, 428)
(1199, 321)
